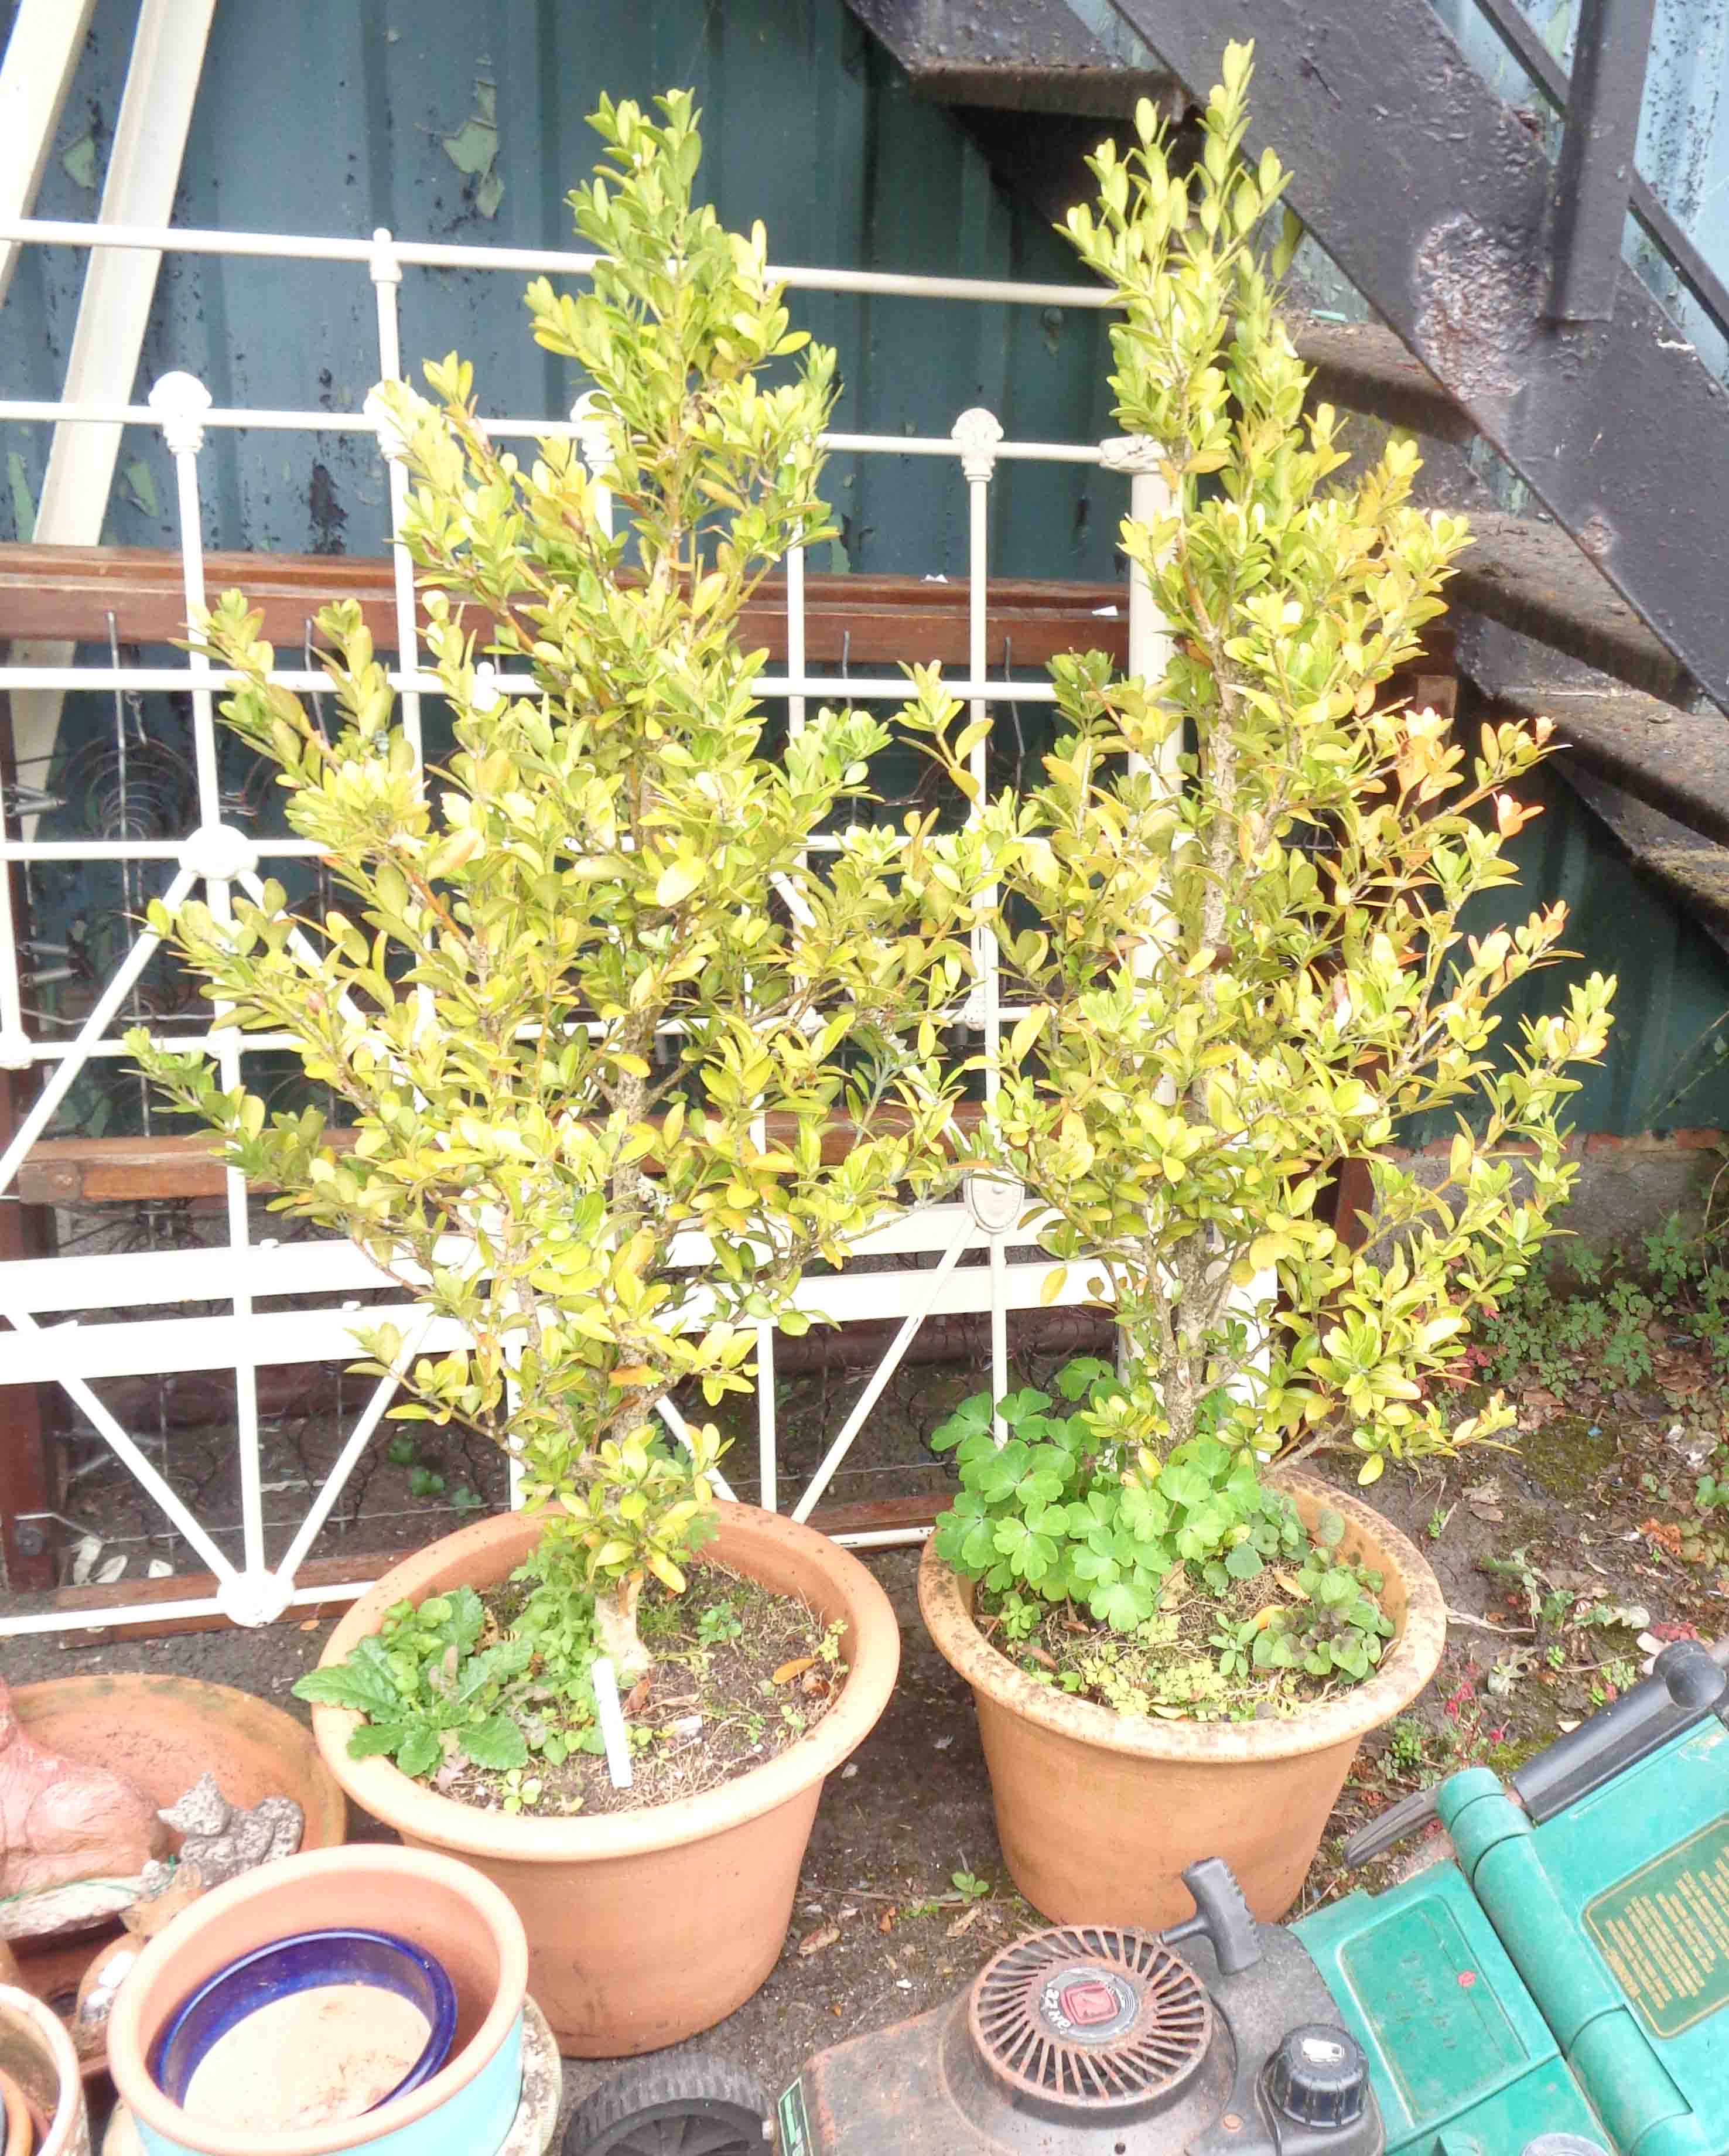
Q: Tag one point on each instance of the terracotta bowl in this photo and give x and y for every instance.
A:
(165, 1732)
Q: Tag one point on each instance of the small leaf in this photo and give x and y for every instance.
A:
(363, 1684)
(676, 882)
(496, 1742)
(420, 1750)
(79, 162)
(1371, 1469)
(373, 1737)
(1026, 1032)
(787, 1671)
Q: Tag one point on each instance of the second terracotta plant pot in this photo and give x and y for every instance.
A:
(164, 1733)
(643, 1927)
(1099, 1812)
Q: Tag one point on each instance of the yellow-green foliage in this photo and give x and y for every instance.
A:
(1234, 903)
(609, 855)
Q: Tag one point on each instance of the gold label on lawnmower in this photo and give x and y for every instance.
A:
(1665, 1932)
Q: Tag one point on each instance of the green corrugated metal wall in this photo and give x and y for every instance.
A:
(1665, 1068)
(330, 116)
(333, 115)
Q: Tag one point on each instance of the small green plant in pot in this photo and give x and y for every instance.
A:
(1235, 913)
(1208, 1594)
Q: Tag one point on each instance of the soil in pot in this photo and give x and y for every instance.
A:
(1287, 1637)
(739, 1675)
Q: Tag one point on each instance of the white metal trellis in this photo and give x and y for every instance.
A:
(245, 1274)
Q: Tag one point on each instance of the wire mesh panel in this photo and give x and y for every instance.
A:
(167, 813)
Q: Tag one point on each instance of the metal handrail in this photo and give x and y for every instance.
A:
(1656, 220)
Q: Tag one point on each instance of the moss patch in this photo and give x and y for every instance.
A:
(1568, 1456)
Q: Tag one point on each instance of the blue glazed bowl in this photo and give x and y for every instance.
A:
(306, 1962)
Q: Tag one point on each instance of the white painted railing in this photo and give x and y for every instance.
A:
(35, 1293)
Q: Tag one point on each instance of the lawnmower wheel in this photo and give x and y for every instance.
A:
(694, 2106)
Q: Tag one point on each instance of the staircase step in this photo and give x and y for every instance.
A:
(1694, 870)
(1036, 56)
(1529, 576)
(1362, 367)
(1656, 775)
(1525, 572)
(1674, 762)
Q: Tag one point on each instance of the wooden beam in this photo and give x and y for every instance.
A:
(73, 1602)
(69, 592)
(41, 56)
(127, 1171)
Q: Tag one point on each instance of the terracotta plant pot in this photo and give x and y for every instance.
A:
(164, 1733)
(445, 1908)
(1098, 1813)
(37, 2055)
(645, 1925)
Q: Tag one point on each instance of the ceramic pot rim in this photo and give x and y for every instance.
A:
(491, 1547)
(229, 1995)
(216, 1702)
(47, 2025)
(128, 2047)
(946, 1604)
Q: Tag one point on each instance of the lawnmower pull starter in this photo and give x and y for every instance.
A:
(1559, 1987)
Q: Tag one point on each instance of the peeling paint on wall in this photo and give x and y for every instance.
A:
(472, 149)
(79, 162)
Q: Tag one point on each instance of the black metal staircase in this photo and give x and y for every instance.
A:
(1506, 312)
